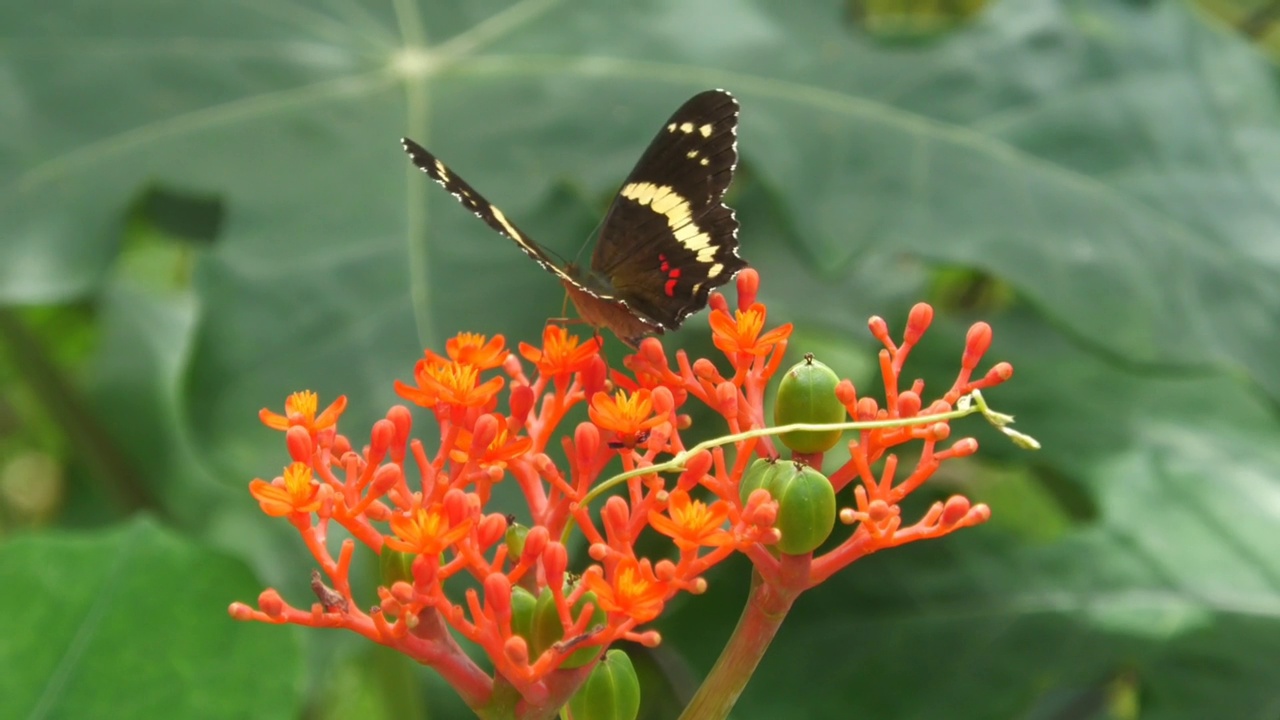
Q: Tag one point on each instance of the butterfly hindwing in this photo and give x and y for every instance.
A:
(668, 239)
(475, 202)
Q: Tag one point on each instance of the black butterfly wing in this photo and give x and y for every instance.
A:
(668, 240)
(483, 209)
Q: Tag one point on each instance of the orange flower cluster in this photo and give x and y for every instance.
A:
(434, 507)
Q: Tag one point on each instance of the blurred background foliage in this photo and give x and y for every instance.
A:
(204, 207)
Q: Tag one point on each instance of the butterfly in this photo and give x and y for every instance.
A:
(667, 239)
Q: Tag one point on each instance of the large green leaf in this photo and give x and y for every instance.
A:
(1114, 164)
(1095, 157)
(132, 623)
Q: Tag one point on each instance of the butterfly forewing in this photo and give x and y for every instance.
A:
(668, 239)
(475, 202)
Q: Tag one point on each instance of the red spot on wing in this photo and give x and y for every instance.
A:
(670, 288)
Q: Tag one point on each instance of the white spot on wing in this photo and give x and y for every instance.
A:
(502, 220)
(663, 199)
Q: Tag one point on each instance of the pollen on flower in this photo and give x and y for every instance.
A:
(300, 410)
(624, 413)
(452, 383)
(634, 590)
(425, 531)
(561, 354)
(501, 450)
(296, 492)
(741, 333)
(475, 349)
(692, 523)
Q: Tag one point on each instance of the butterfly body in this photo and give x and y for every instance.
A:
(667, 239)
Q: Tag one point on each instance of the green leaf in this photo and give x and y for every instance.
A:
(1113, 165)
(132, 623)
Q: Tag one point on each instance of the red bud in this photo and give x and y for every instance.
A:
(918, 322)
(298, 442)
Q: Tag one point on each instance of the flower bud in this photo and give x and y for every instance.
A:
(807, 394)
(611, 692)
(497, 595)
(298, 442)
(493, 527)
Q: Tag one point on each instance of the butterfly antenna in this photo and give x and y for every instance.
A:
(595, 233)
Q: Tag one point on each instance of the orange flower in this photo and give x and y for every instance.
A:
(500, 451)
(625, 414)
(425, 531)
(691, 523)
(560, 353)
(633, 590)
(743, 334)
(472, 349)
(452, 383)
(296, 492)
(300, 409)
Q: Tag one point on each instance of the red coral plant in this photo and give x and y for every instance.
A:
(429, 516)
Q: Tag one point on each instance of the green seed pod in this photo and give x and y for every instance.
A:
(756, 476)
(611, 692)
(807, 394)
(547, 630)
(523, 604)
(395, 566)
(515, 540)
(806, 509)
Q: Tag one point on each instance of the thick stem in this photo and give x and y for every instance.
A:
(767, 606)
(502, 702)
(471, 683)
(561, 686)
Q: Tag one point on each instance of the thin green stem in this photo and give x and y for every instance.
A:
(678, 461)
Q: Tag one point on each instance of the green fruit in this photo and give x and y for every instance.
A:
(515, 541)
(756, 476)
(523, 604)
(395, 566)
(806, 508)
(807, 394)
(611, 692)
(547, 630)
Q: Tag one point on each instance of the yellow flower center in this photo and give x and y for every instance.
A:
(631, 584)
(457, 377)
(303, 403)
(297, 480)
(633, 408)
(750, 323)
(695, 516)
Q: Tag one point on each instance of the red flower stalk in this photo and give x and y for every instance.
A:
(427, 515)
